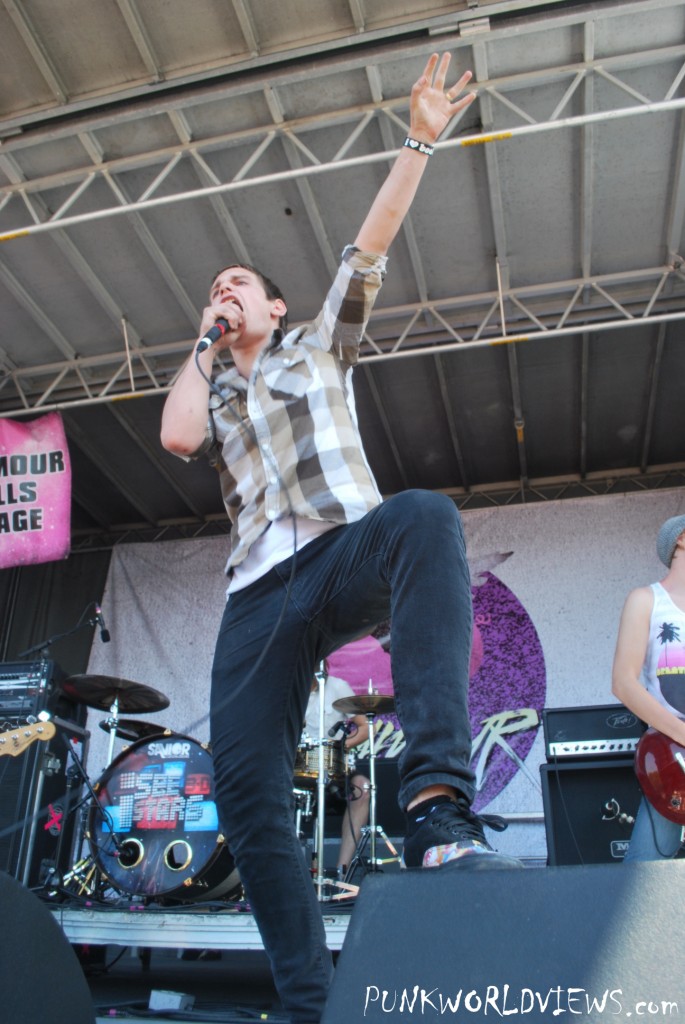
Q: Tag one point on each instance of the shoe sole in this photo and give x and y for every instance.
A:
(469, 859)
(483, 862)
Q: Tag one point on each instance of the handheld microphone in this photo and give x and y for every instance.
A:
(212, 335)
(104, 632)
(338, 725)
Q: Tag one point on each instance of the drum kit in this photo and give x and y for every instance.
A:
(150, 825)
(323, 763)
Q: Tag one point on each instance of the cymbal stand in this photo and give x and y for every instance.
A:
(303, 808)
(112, 721)
(320, 880)
(370, 832)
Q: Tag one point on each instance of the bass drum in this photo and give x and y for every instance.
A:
(155, 829)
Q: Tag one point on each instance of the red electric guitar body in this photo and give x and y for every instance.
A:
(660, 769)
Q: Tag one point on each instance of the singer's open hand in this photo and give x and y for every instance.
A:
(433, 104)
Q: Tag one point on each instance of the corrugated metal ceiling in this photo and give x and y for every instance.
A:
(528, 340)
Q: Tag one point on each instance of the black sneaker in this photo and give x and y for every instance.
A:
(452, 833)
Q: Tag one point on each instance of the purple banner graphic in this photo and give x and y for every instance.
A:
(35, 491)
(506, 692)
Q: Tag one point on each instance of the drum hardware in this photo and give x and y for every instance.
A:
(320, 879)
(83, 879)
(369, 705)
(107, 693)
(74, 878)
(133, 729)
(317, 763)
(303, 809)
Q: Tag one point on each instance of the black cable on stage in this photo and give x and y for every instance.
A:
(666, 856)
(567, 813)
(233, 1015)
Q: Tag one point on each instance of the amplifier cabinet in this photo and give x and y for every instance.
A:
(40, 786)
(40, 791)
(590, 807)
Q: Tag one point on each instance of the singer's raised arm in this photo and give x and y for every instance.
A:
(238, 294)
(431, 109)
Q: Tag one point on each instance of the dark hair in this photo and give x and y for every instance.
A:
(271, 290)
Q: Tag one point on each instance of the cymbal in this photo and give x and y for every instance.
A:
(132, 728)
(365, 704)
(102, 691)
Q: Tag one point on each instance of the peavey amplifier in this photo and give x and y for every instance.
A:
(596, 731)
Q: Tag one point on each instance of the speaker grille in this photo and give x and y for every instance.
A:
(584, 802)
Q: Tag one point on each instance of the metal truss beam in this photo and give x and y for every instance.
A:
(629, 481)
(551, 310)
(159, 81)
(497, 90)
(484, 496)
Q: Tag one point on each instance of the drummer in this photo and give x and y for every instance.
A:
(356, 792)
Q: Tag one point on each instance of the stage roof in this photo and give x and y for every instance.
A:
(528, 341)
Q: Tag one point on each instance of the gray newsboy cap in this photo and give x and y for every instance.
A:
(666, 540)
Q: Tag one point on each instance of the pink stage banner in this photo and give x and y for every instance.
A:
(35, 491)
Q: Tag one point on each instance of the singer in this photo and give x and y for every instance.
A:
(316, 559)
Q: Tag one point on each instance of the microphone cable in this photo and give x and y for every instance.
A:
(215, 390)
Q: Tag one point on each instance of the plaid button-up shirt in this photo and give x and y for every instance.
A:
(289, 437)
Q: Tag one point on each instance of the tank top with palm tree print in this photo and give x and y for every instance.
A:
(664, 670)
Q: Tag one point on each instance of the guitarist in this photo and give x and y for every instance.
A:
(649, 675)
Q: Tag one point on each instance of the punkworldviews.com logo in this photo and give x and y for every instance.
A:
(506, 1002)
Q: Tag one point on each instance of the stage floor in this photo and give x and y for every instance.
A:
(225, 986)
(210, 952)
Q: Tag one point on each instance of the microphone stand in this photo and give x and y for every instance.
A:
(320, 880)
(44, 645)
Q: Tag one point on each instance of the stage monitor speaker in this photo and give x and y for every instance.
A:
(535, 945)
(589, 810)
(41, 980)
(40, 789)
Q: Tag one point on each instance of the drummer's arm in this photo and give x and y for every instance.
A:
(359, 734)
